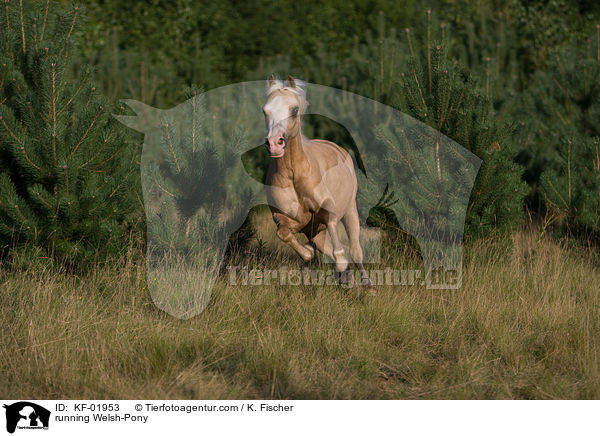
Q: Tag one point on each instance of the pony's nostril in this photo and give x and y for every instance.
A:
(281, 140)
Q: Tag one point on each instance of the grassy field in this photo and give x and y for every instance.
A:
(526, 324)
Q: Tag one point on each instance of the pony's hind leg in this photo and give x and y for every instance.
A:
(322, 243)
(352, 224)
(285, 233)
(329, 217)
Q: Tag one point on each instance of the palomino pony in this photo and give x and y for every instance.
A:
(311, 183)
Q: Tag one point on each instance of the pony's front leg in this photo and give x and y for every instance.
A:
(285, 232)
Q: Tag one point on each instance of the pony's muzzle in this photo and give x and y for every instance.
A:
(275, 144)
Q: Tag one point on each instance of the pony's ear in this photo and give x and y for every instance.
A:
(291, 82)
(273, 84)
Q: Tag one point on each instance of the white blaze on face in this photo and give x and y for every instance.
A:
(277, 114)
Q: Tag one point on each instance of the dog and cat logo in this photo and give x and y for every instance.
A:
(26, 415)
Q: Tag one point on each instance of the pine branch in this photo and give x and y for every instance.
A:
(8, 44)
(10, 132)
(171, 146)
(54, 111)
(45, 20)
(81, 85)
(86, 132)
(22, 27)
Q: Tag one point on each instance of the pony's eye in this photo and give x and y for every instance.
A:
(295, 111)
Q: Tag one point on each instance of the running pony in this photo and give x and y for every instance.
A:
(311, 183)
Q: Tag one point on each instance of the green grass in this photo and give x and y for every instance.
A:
(525, 324)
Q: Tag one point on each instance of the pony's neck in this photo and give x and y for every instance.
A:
(294, 158)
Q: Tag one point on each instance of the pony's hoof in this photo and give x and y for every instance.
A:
(312, 249)
(371, 292)
(346, 279)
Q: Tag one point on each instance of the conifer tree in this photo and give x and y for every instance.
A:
(490, 48)
(560, 139)
(67, 182)
(192, 197)
(442, 94)
(570, 185)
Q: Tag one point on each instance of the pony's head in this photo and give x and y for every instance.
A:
(286, 102)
